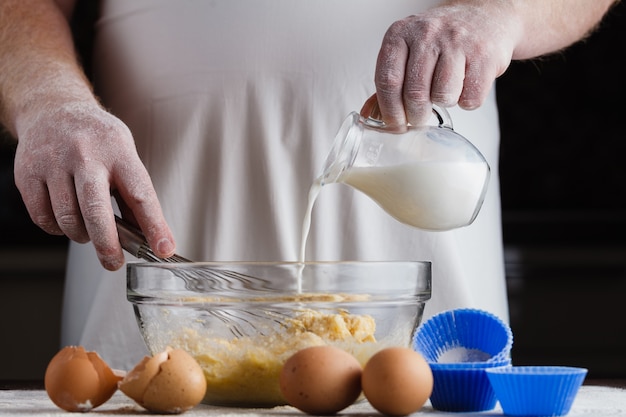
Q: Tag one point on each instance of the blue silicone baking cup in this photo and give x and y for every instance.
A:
(463, 387)
(464, 335)
(536, 390)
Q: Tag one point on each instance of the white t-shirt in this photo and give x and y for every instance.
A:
(234, 105)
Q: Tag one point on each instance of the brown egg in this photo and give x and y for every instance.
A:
(77, 380)
(321, 380)
(397, 381)
(168, 382)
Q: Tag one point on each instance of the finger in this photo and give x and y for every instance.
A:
(37, 202)
(390, 74)
(136, 192)
(94, 198)
(420, 66)
(66, 209)
(447, 81)
(417, 85)
(478, 82)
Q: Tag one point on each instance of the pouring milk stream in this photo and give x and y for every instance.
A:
(428, 177)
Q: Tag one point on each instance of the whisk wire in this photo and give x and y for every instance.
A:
(134, 242)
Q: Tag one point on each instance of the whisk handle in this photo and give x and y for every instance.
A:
(131, 239)
(134, 242)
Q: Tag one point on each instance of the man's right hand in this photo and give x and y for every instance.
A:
(69, 160)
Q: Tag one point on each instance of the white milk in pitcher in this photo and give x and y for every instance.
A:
(427, 195)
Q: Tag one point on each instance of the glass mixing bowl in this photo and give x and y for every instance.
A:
(242, 320)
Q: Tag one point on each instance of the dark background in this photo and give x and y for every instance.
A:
(564, 219)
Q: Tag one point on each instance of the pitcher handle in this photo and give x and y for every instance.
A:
(372, 116)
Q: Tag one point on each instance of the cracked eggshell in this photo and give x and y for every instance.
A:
(168, 382)
(77, 380)
(136, 381)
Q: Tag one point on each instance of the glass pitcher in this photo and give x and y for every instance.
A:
(429, 177)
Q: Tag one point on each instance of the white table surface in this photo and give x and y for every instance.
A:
(591, 401)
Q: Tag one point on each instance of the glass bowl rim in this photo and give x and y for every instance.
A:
(140, 295)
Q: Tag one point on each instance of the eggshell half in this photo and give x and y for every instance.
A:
(136, 381)
(77, 380)
(168, 382)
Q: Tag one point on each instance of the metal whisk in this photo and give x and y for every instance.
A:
(241, 323)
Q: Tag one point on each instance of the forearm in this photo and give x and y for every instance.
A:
(545, 26)
(554, 24)
(38, 64)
